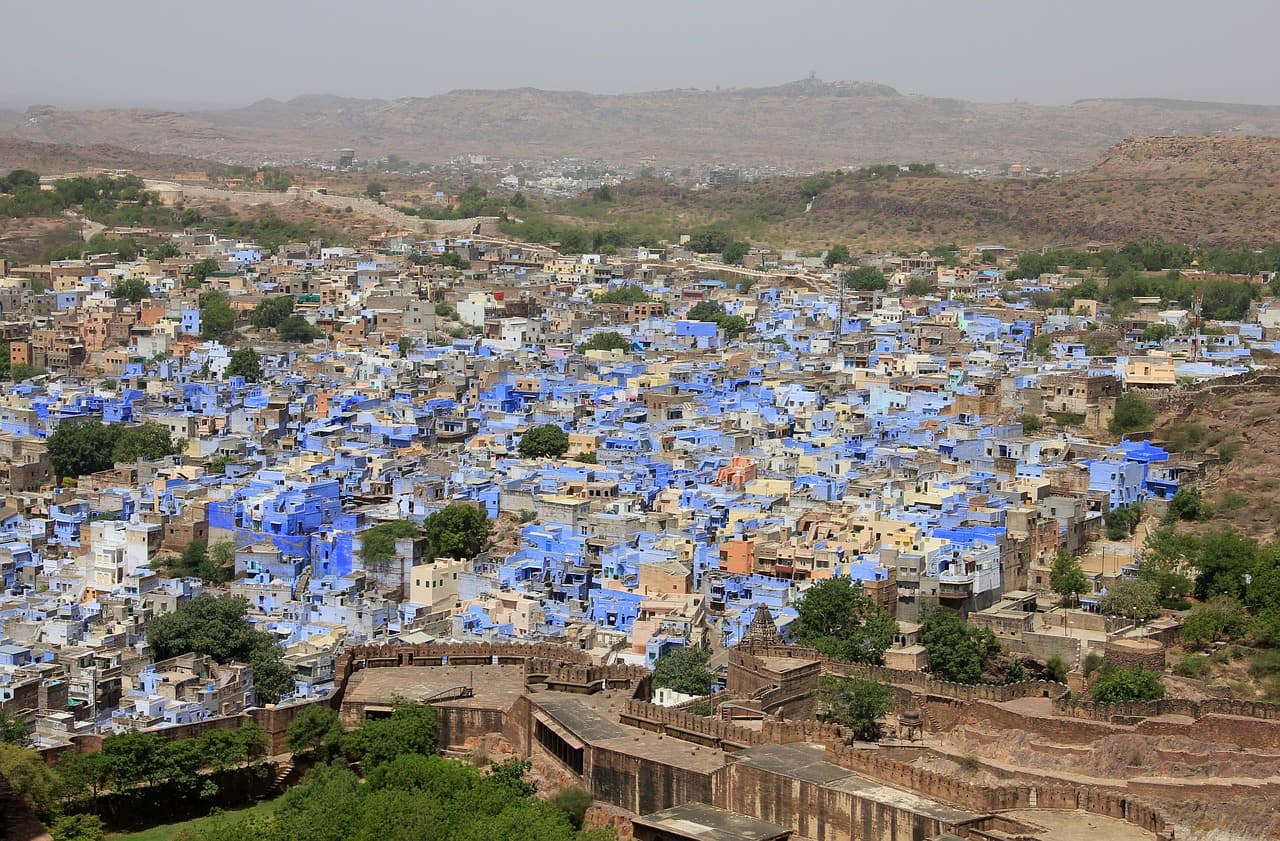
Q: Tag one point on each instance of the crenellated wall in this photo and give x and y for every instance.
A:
(879, 765)
(1094, 711)
(744, 657)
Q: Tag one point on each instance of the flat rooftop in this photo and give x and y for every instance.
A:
(806, 761)
(596, 719)
(1063, 825)
(496, 687)
(702, 822)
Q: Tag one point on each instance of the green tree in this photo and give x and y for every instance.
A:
(858, 704)
(734, 252)
(31, 778)
(149, 440)
(454, 260)
(1220, 618)
(574, 801)
(1131, 599)
(217, 319)
(411, 728)
(1165, 563)
(316, 732)
(957, 652)
(918, 286)
(511, 774)
(163, 251)
(378, 544)
(1122, 522)
(201, 269)
(1030, 423)
(13, 730)
(219, 628)
(132, 290)
(608, 340)
(375, 189)
(837, 619)
(457, 531)
(1132, 413)
(78, 448)
(865, 279)
(195, 557)
(1187, 504)
(542, 441)
(1040, 346)
(836, 255)
(404, 345)
(269, 313)
(1224, 559)
(684, 669)
(1124, 686)
(246, 363)
(296, 328)
(705, 311)
(1066, 578)
(627, 293)
(22, 372)
(733, 326)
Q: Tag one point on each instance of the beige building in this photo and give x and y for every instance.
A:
(435, 583)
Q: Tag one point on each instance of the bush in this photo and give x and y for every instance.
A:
(1192, 666)
(1222, 617)
(1132, 413)
(1188, 505)
(574, 802)
(1030, 423)
(1122, 522)
(1123, 686)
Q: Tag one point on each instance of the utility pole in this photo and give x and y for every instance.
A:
(840, 317)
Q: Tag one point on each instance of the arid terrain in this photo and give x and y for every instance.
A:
(1200, 190)
(805, 125)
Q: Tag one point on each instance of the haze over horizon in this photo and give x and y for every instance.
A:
(186, 58)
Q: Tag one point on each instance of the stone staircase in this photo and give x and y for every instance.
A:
(284, 776)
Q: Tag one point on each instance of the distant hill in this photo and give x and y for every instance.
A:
(1199, 190)
(57, 159)
(803, 125)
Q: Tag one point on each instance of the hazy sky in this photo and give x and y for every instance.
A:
(178, 53)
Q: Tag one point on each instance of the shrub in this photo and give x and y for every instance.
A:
(1192, 666)
(1122, 686)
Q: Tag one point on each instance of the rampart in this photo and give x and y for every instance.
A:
(1130, 713)
(917, 680)
(878, 765)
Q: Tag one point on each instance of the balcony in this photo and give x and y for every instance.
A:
(955, 586)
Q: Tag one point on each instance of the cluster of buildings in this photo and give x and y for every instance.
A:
(860, 435)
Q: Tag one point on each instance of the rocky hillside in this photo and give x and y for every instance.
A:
(1206, 190)
(56, 159)
(803, 125)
